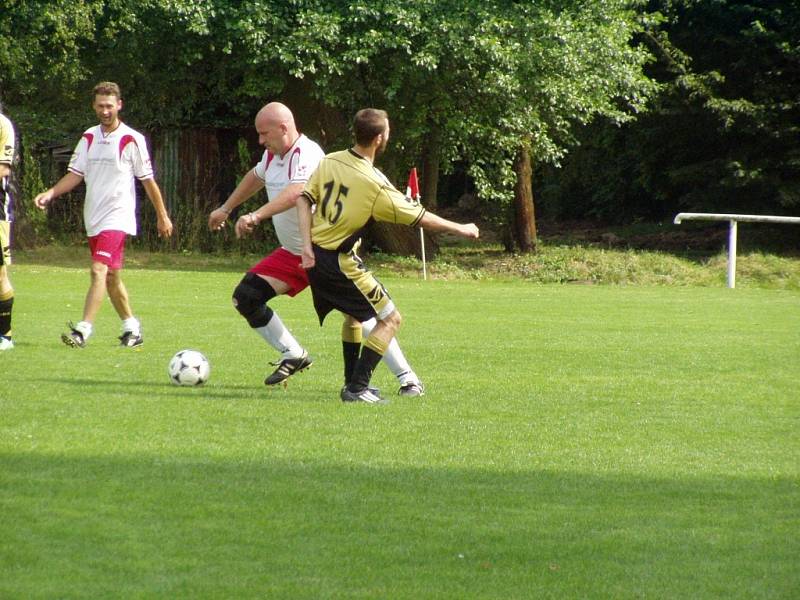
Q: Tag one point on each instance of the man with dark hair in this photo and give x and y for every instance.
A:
(109, 157)
(7, 139)
(348, 191)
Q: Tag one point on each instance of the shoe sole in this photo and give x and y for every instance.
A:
(134, 347)
(412, 393)
(285, 379)
(69, 341)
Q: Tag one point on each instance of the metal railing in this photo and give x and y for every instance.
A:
(733, 220)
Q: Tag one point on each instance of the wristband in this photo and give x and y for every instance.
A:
(225, 210)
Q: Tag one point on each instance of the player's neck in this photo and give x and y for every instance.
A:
(290, 146)
(111, 128)
(366, 152)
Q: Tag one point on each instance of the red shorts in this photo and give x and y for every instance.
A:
(285, 266)
(108, 247)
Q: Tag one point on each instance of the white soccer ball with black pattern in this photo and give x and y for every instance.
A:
(189, 367)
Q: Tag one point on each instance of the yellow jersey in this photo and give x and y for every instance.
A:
(348, 191)
(6, 158)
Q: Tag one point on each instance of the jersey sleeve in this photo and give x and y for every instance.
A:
(303, 163)
(391, 206)
(79, 158)
(260, 170)
(6, 141)
(140, 158)
(312, 187)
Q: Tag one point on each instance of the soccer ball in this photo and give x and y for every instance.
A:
(189, 367)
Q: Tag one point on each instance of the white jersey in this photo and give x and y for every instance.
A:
(295, 166)
(108, 164)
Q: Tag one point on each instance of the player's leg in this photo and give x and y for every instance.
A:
(113, 254)
(6, 290)
(279, 273)
(342, 282)
(372, 352)
(351, 345)
(410, 384)
(118, 294)
(105, 249)
(81, 331)
(6, 305)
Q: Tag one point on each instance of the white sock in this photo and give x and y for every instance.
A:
(84, 328)
(394, 357)
(132, 325)
(277, 336)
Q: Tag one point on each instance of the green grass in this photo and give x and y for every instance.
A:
(575, 442)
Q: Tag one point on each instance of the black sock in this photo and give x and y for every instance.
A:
(350, 351)
(362, 373)
(5, 316)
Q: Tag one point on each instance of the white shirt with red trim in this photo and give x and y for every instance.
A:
(295, 166)
(108, 163)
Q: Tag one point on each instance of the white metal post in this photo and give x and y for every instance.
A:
(733, 219)
(732, 254)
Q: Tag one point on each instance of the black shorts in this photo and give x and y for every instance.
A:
(341, 282)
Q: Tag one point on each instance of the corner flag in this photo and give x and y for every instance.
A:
(412, 189)
(412, 193)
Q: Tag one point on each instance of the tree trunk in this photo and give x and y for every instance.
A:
(524, 218)
(405, 241)
(430, 170)
(402, 240)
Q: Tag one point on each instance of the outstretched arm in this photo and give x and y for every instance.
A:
(437, 223)
(66, 184)
(286, 200)
(248, 186)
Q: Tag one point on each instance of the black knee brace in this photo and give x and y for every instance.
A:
(250, 298)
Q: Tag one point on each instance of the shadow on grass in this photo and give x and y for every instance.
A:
(170, 525)
(210, 391)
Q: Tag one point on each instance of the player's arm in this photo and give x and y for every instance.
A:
(435, 223)
(154, 193)
(247, 188)
(6, 146)
(304, 224)
(284, 201)
(64, 185)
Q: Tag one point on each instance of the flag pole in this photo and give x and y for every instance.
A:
(422, 245)
(412, 193)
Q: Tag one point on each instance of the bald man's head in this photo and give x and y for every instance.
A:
(276, 128)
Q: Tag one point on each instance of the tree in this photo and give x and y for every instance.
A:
(722, 136)
(485, 82)
(491, 84)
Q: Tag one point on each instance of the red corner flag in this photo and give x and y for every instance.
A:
(412, 189)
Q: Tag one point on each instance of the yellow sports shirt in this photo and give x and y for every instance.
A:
(348, 191)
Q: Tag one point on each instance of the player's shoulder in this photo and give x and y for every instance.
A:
(345, 157)
(307, 145)
(5, 123)
(127, 130)
(92, 131)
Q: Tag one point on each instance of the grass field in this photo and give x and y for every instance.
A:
(575, 442)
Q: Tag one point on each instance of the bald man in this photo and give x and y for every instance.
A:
(289, 160)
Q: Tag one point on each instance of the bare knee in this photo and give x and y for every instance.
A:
(99, 271)
(5, 282)
(393, 321)
(112, 278)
